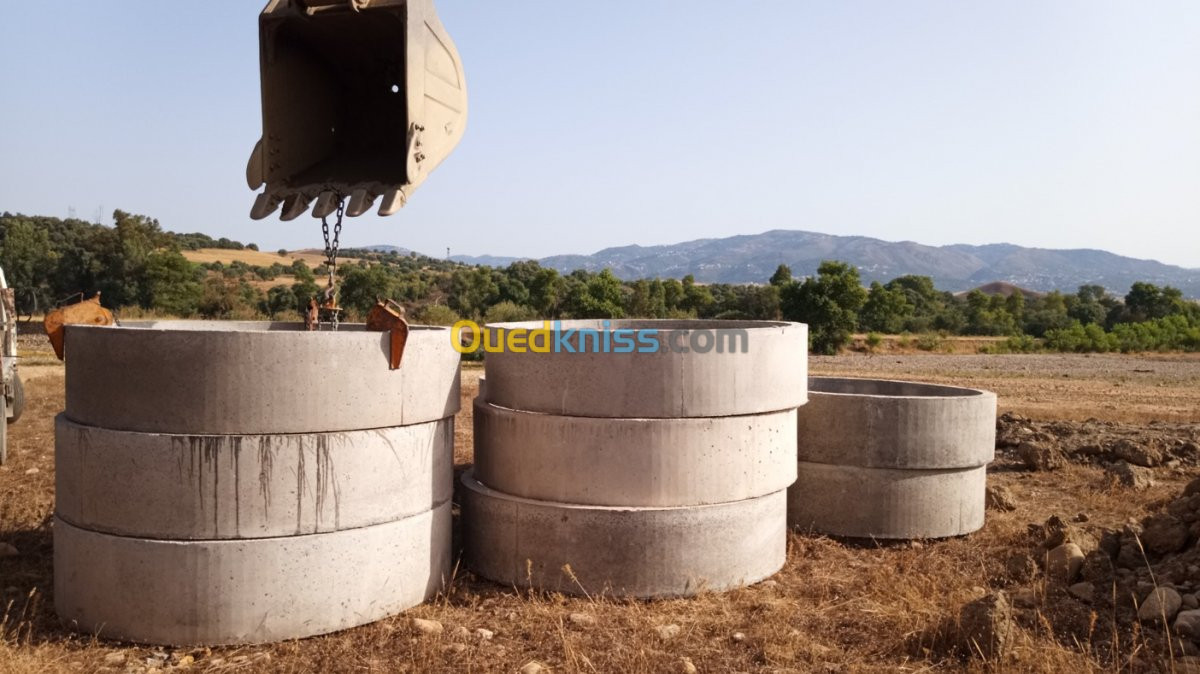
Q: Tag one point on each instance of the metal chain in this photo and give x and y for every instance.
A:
(331, 255)
(331, 248)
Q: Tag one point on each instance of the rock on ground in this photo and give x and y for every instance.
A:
(1187, 624)
(1129, 475)
(667, 632)
(1064, 563)
(582, 620)
(1001, 498)
(427, 627)
(1041, 457)
(986, 626)
(1163, 534)
(1141, 454)
(1085, 591)
(1162, 603)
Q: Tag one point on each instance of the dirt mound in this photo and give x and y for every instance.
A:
(1045, 445)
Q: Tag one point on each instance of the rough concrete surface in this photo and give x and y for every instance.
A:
(634, 462)
(635, 552)
(247, 591)
(224, 377)
(213, 486)
(882, 503)
(662, 384)
(892, 424)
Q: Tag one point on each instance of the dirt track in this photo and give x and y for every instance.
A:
(836, 606)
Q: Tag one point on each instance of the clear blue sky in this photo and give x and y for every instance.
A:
(594, 124)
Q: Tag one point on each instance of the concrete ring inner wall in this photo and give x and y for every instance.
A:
(186, 593)
(894, 424)
(230, 378)
(634, 462)
(747, 367)
(213, 487)
(627, 552)
(892, 504)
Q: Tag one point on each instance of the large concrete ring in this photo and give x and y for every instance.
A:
(233, 486)
(896, 424)
(250, 591)
(626, 552)
(634, 462)
(699, 368)
(881, 503)
(231, 378)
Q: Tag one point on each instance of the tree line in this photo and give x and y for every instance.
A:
(140, 270)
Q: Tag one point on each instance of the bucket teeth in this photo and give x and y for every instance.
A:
(254, 168)
(264, 205)
(294, 206)
(326, 204)
(393, 201)
(360, 202)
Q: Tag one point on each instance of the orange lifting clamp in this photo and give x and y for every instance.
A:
(84, 312)
(388, 316)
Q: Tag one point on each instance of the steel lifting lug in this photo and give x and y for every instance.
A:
(388, 316)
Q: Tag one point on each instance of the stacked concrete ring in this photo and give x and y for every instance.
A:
(892, 459)
(236, 483)
(660, 471)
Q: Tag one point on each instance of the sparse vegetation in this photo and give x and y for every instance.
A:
(138, 265)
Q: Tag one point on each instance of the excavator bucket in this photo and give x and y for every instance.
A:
(361, 99)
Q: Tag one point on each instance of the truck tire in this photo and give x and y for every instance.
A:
(18, 404)
(3, 443)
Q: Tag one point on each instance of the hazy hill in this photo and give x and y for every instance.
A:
(753, 258)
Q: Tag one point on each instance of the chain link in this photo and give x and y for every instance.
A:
(331, 248)
(331, 255)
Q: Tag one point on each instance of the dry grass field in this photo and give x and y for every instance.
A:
(837, 606)
(311, 257)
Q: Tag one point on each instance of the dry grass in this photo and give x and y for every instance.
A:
(1110, 387)
(836, 606)
(311, 257)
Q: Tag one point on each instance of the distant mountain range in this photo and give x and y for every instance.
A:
(753, 258)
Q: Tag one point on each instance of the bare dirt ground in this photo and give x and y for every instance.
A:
(1113, 387)
(837, 606)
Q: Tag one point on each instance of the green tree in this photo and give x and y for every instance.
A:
(28, 262)
(1047, 313)
(546, 291)
(1147, 301)
(279, 299)
(782, 276)
(435, 314)
(829, 303)
(472, 291)
(1090, 305)
(172, 284)
(509, 312)
(362, 288)
(885, 310)
(601, 296)
(219, 298)
(697, 299)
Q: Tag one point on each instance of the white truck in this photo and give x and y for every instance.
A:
(14, 393)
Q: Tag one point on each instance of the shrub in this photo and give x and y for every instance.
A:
(874, 340)
(435, 314)
(929, 341)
